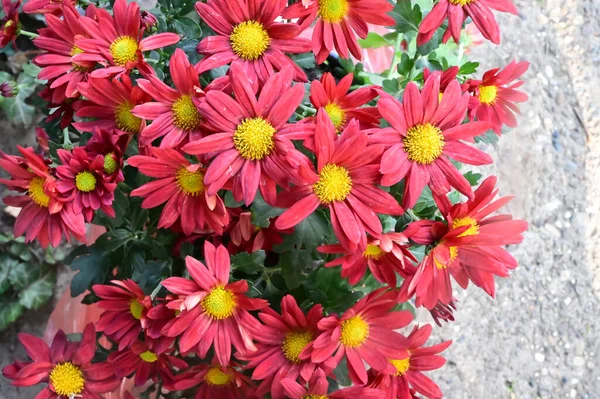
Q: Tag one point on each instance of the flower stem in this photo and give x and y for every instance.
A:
(28, 34)
(395, 58)
(66, 139)
(410, 213)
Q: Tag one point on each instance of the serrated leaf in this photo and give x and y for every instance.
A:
(186, 26)
(9, 312)
(23, 274)
(249, 263)
(375, 40)
(488, 137)
(313, 231)
(6, 263)
(473, 178)
(38, 292)
(92, 268)
(304, 60)
(262, 212)
(434, 43)
(293, 264)
(468, 68)
(112, 240)
(406, 16)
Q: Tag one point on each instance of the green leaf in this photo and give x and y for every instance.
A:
(112, 240)
(186, 26)
(313, 231)
(293, 265)
(391, 86)
(434, 43)
(304, 60)
(406, 65)
(374, 40)
(231, 203)
(9, 312)
(6, 263)
(468, 68)
(488, 137)
(23, 274)
(262, 212)
(92, 268)
(39, 292)
(406, 16)
(249, 263)
(150, 275)
(473, 178)
(327, 287)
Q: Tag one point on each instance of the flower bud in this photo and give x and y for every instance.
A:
(9, 89)
(149, 21)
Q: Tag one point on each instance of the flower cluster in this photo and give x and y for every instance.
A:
(260, 238)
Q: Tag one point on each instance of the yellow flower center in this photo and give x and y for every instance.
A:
(36, 192)
(249, 40)
(136, 309)
(315, 397)
(466, 221)
(373, 251)
(110, 163)
(453, 255)
(123, 50)
(488, 94)
(190, 183)
(333, 11)
(337, 115)
(219, 303)
(67, 379)
(125, 120)
(85, 181)
(334, 184)
(355, 331)
(424, 143)
(74, 51)
(254, 138)
(294, 343)
(402, 366)
(462, 3)
(149, 357)
(185, 114)
(216, 376)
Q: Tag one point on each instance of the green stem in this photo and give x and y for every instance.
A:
(27, 33)
(395, 60)
(410, 213)
(66, 139)
(310, 110)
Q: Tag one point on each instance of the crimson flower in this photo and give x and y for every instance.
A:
(254, 148)
(49, 6)
(338, 23)
(9, 25)
(457, 11)
(281, 340)
(81, 179)
(468, 247)
(246, 237)
(345, 182)
(158, 316)
(448, 76)
(125, 307)
(174, 112)
(58, 40)
(385, 256)
(216, 381)
(424, 136)
(65, 366)
(111, 146)
(115, 41)
(213, 310)
(409, 370)
(61, 107)
(248, 35)
(364, 333)
(318, 389)
(110, 102)
(42, 215)
(495, 95)
(181, 185)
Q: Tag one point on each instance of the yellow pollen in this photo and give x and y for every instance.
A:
(85, 181)
(249, 40)
(355, 331)
(453, 255)
(334, 184)
(462, 3)
(136, 309)
(110, 164)
(125, 120)
(315, 397)
(185, 114)
(333, 11)
(337, 115)
(440, 97)
(216, 376)
(36, 192)
(373, 252)
(424, 143)
(190, 183)
(123, 50)
(294, 343)
(219, 304)
(74, 51)
(254, 138)
(149, 357)
(488, 94)
(402, 366)
(67, 379)
(473, 230)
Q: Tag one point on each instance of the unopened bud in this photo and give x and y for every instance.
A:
(9, 89)
(149, 21)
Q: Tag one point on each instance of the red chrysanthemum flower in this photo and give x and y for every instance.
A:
(158, 316)
(216, 381)
(125, 307)
(81, 179)
(469, 247)
(9, 25)
(181, 185)
(111, 146)
(457, 11)
(448, 76)
(346, 183)
(58, 40)
(47, 7)
(424, 135)
(247, 35)
(364, 333)
(174, 113)
(213, 310)
(42, 215)
(110, 102)
(147, 361)
(338, 23)
(246, 237)
(318, 388)
(60, 107)
(495, 95)
(66, 367)
(385, 256)
(254, 148)
(116, 40)
(409, 370)
(281, 340)
(443, 312)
